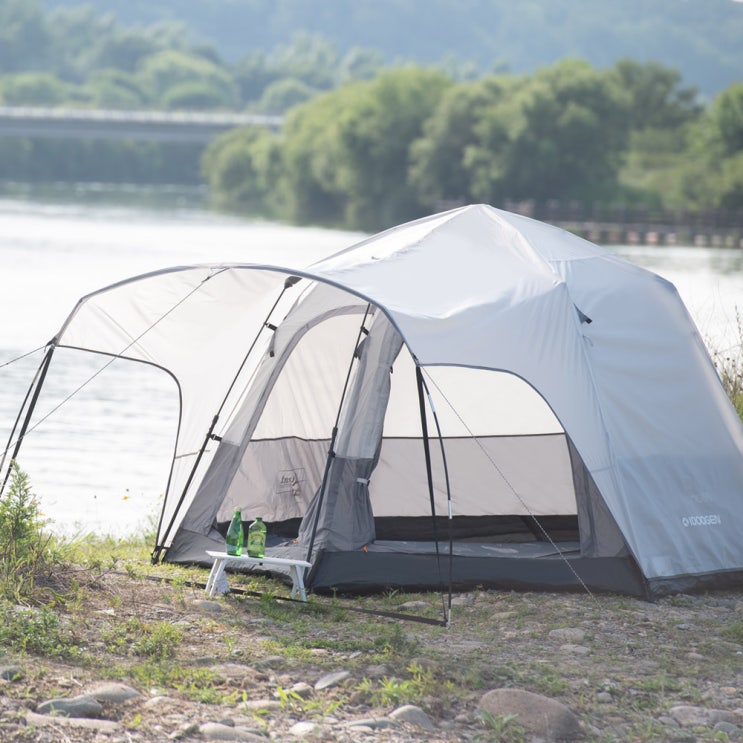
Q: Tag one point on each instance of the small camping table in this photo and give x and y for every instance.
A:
(218, 580)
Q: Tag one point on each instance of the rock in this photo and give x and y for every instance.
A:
(373, 723)
(218, 731)
(331, 679)
(231, 671)
(732, 731)
(377, 671)
(571, 649)
(303, 728)
(80, 706)
(207, 605)
(258, 705)
(107, 727)
(113, 692)
(413, 605)
(301, 689)
(412, 715)
(537, 714)
(689, 716)
(604, 697)
(567, 634)
(11, 673)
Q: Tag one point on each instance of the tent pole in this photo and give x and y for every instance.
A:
(33, 392)
(159, 546)
(423, 392)
(334, 435)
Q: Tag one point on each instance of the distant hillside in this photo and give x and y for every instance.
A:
(703, 39)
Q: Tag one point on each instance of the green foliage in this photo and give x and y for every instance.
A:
(422, 683)
(28, 630)
(729, 365)
(501, 729)
(33, 89)
(734, 632)
(26, 553)
(155, 640)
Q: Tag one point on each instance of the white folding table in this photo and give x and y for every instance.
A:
(217, 581)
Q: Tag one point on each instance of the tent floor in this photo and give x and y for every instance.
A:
(410, 565)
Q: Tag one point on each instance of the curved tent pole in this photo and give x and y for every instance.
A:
(33, 393)
(290, 281)
(334, 434)
(424, 393)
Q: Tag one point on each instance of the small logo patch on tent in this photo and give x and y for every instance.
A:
(712, 519)
(289, 482)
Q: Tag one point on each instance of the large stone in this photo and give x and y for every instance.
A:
(218, 731)
(115, 692)
(11, 673)
(331, 679)
(537, 714)
(80, 706)
(412, 715)
(107, 727)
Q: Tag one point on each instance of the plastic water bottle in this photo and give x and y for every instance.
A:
(257, 538)
(235, 534)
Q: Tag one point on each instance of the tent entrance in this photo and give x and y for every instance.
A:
(326, 444)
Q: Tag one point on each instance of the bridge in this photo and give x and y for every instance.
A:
(152, 126)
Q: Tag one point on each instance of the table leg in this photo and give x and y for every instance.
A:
(216, 574)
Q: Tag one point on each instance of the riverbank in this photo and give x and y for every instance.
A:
(141, 654)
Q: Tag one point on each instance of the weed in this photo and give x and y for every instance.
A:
(35, 630)
(156, 640)
(729, 365)
(734, 632)
(501, 729)
(26, 553)
(392, 692)
(306, 707)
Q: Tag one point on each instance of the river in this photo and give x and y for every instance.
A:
(99, 461)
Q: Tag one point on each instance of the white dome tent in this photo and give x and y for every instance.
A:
(473, 398)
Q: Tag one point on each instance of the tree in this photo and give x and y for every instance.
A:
(568, 141)
(453, 142)
(375, 133)
(242, 167)
(33, 89)
(654, 95)
(24, 37)
(167, 70)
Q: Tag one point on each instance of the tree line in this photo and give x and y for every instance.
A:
(365, 144)
(374, 153)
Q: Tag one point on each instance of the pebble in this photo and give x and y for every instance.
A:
(412, 715)
(11, 673)
(82, 705)
(567, 635)
(331, 679)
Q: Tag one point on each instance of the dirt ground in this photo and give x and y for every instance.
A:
(250, 661)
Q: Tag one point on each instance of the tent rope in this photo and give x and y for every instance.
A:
(512, 489)
(22, 356)
(111, 360)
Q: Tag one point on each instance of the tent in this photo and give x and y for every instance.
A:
(474, 398)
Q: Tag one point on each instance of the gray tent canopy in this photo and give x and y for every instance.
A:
(473, 397)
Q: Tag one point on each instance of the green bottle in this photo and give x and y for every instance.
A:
(235, 534)
(257, 538)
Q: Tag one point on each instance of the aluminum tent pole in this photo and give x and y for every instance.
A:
(33, 394)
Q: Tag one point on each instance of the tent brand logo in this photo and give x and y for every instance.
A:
(713, 519)
(289, 482)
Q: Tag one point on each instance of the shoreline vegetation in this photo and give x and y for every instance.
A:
(368, 143)
(97, 644)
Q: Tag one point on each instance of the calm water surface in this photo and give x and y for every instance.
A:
(100, 460)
